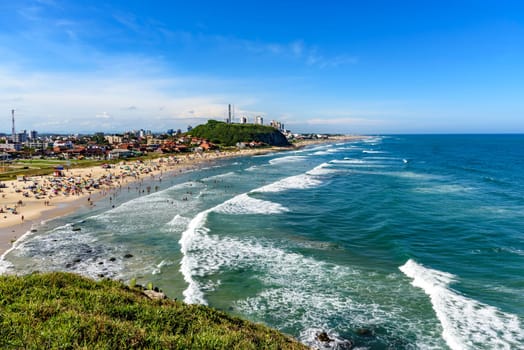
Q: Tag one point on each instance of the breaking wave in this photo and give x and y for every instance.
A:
(466, 323)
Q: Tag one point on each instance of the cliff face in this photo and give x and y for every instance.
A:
(230, 134)
(275, 138)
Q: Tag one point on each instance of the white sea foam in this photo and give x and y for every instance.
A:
(195, 236)
(64, 248)
(195, 243)
(309, 337)
(513, 250)
(322, 169)
(359, 163)
(300, 293)
(443, 189)
(317, 148)
(320, 153)
(244, 204)
(158, 269)
(219, 176)
(372, 151)
(193, 293)
(385, 158)
(347, 160)
(297, 182)
(374, 139)
(287, 159)
(400, 174)
(510, 211)
(206, 254)
(5, 266)
(178, 221)
(466, 323)
(194, 239)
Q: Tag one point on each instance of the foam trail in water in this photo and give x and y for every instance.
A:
(372, 152)
(189, 266)
(244, 204)
(193, 293)
(302, 181)
(298, 182)
(287, 159)
(5, 265)
(158, 269)
(322, 169)
(240, 204)
(178, 221)
(466, 323)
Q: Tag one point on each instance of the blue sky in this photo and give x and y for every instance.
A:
(367, 67)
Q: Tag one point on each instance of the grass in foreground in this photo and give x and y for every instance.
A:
(67, 311)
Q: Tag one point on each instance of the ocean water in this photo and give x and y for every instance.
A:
(392, 242)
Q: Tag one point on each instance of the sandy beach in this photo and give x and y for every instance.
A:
(26, 203)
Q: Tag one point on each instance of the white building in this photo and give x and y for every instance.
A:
(67, 144)
(112, 139)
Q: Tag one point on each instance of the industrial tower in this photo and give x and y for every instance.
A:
(13, 135)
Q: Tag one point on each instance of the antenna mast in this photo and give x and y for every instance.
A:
(13, 137)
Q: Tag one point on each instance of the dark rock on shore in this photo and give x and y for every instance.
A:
(337, 343)
(324, 337)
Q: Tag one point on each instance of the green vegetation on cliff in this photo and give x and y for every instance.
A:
(67, 311)
(229, 134)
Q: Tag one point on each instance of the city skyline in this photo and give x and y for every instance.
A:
(336, 67)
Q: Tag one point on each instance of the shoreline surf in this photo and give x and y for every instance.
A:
(398, 255)
(12, 227)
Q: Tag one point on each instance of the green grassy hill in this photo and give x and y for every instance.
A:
(67, 311)
(229, 134)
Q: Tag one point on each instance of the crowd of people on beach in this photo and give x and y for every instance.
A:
(69, 184)
(77, 182)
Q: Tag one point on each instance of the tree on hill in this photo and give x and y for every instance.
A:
(230, 134)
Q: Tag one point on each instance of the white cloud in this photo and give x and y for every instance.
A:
(296, 50)
(316, 59)
(74, 101)
(103, 115)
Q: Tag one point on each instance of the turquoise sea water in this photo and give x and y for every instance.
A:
(394, 242)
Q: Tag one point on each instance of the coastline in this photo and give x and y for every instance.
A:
(35, 208)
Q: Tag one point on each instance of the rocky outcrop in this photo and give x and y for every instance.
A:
(275, 138)
(154, 295)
